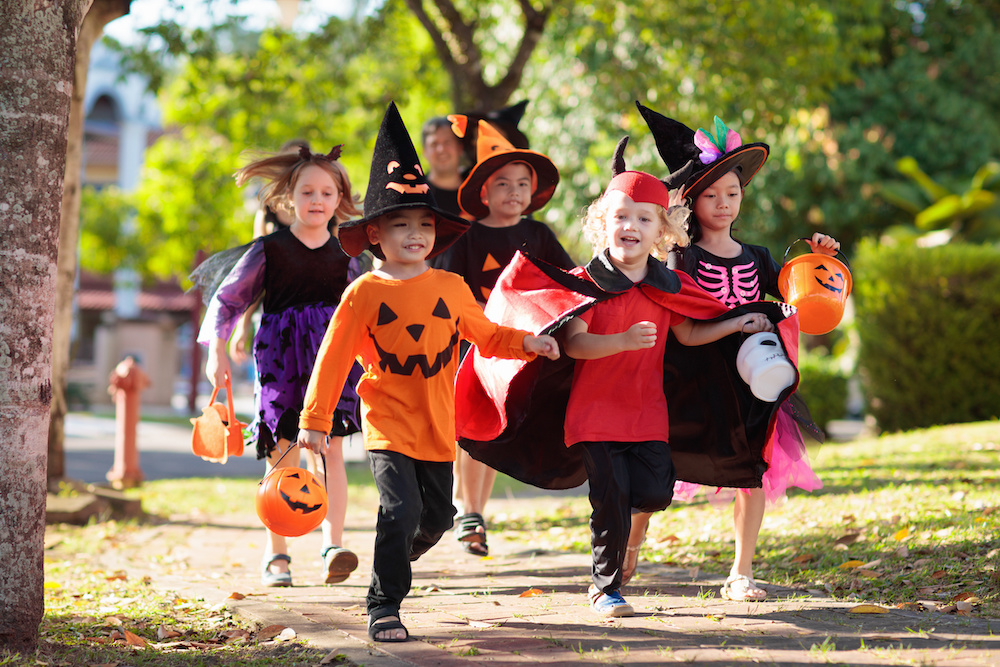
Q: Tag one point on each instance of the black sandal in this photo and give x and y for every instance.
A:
(471, 532)
(375, 627)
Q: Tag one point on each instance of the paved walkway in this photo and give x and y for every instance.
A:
(527, 605)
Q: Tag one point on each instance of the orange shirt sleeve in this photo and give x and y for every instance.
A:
(343, 338)
(492, 339)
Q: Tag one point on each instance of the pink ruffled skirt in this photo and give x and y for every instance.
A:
(788, 466)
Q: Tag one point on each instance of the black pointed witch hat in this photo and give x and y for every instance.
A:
(698, 159)
(397, 182)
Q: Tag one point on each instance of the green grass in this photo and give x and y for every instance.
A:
(924, 504)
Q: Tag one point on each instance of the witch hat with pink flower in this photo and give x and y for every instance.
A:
(698, 159)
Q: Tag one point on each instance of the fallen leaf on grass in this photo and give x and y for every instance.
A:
(868, 573)
(964, 605)
(531, 592)
(967, 595)
(236, 596)
(937, 574)
(849, 538)
(803, 558)
(868, 609)
(851, 564)
(901, 535)
(120, 575)
(285, 635)
(166, 632)
(133, 639)
(269, 632)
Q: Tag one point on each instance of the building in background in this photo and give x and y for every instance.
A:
(116, 316)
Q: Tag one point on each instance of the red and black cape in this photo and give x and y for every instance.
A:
(510, 413)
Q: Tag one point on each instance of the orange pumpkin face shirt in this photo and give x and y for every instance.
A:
(405, 334)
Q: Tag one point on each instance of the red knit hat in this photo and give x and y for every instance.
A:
(641, 187)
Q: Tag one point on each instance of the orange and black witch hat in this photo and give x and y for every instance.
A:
(494, 151)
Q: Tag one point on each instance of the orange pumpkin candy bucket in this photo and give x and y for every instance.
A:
(291, 501)
(818, 286)
(217, 433)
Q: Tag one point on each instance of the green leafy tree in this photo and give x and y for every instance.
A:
(966, 211)
(930, 93)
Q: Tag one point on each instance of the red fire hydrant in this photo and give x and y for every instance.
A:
(127, 383)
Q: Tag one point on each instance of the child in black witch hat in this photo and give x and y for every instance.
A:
(404, 320)
(712, 169)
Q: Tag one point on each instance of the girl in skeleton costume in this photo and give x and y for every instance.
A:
(713, 172)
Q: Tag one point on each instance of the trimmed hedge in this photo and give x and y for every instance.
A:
(929, 322)
(823, 387)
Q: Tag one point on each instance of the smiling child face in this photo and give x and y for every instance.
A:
(632, 228)
(406, 236)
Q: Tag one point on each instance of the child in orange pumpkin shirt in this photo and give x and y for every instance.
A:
(404, 320)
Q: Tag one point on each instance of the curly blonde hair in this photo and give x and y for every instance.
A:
(282, 170)
(674, 221)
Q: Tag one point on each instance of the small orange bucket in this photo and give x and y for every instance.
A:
(818, 286)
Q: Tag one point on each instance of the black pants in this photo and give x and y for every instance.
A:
(414, 511)
(622, 476)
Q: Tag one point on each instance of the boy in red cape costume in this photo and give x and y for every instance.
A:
(510, 414)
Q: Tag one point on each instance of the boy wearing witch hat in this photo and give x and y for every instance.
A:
(502, 189)
(403, 321)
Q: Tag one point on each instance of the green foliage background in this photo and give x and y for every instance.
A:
(840, 89)
(927, 319)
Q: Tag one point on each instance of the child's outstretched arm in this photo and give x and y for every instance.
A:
(824, 244)
(543, 346)
(579, 343)
(690, 332)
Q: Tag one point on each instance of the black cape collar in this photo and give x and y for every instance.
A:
(610, 279)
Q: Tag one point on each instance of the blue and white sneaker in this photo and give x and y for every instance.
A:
(609, 605)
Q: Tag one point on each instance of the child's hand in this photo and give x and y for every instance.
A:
(755, 323)
(543, 346)
(823, 244)
(217, 364)
(640, 335)
(312, 440)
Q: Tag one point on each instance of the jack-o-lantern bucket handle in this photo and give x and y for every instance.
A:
(842, 257)
(291, 446)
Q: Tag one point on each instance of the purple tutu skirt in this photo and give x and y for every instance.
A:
(788, 466)
(285, 351)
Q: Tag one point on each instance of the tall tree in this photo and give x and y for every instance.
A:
(99, 15)
(468, 47)
(37, 53)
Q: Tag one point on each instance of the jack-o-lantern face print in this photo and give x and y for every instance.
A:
(435, 328)
(830, 280)
(302, 493)
(402, 181)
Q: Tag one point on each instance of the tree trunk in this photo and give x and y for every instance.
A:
(453, 36)
(100, 14)
(37, 52)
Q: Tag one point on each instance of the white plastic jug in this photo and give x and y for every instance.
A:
(762, 363)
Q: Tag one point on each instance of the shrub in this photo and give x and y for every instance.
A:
(927, 322)
(823, 386)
